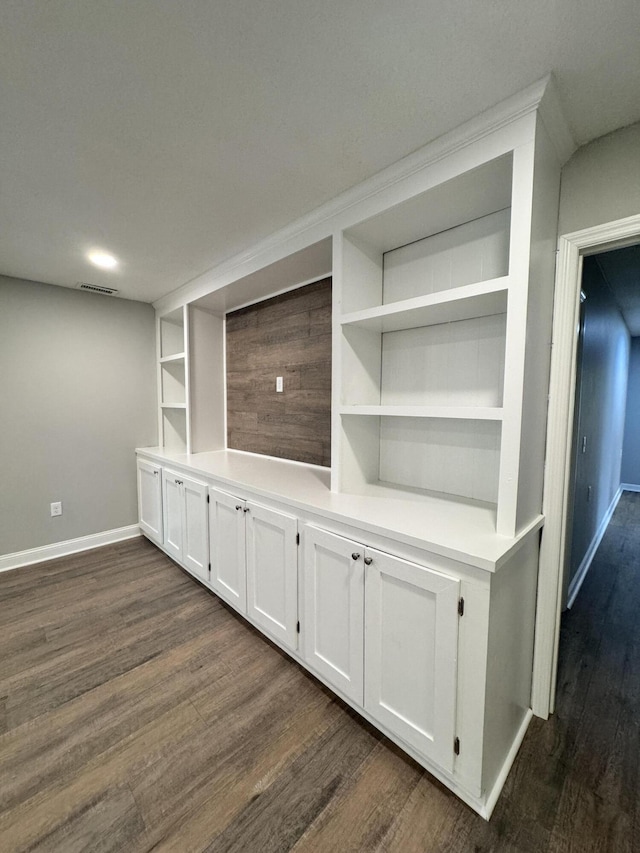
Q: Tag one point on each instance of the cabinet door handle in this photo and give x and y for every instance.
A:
(246, 509)
(368, 561)
(355, 556)
(238, 507)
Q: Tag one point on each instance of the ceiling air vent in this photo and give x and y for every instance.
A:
(96, 288)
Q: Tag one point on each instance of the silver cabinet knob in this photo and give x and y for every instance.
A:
(238, 507)
(246, 509)
(368, 561)
(355, 556)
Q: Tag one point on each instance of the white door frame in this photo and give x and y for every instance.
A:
(553, 549)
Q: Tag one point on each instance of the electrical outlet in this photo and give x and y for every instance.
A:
(56, 508)
(279, 384)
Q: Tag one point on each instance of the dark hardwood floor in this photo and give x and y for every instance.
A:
(138, 713)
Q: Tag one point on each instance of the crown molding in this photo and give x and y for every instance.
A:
(320, 222)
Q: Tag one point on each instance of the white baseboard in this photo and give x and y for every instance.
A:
(70, 546)
(492, 798)
(629, 487)
(585, 565)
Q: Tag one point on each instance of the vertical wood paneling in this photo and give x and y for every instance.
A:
(288, 336)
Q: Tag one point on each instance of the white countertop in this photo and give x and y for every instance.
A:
(455, 528)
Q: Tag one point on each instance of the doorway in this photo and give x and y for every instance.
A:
(572, 250)
(605, 447)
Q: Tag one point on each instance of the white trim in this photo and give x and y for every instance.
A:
(70, 546)
(585, 565)
(498, 785)
(571, 248)
(275, 293)
(629, 487)
(321, 222)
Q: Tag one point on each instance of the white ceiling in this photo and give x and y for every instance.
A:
(176, 133)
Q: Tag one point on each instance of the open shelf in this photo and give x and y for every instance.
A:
(174, 428)
(170, 359)
(456, 365)
(172, 342)
(173, 382)
(473, 300)
(447, 238)
(173, 405)
(474, 413)
(455, 457)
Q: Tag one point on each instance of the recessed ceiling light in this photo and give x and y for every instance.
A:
(102, 259)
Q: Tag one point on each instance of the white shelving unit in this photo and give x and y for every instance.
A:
(173, 379)
(433, 299)
(421, 344)
(443, 269)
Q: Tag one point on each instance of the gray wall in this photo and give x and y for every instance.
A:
(631, 448)
(600, 183)
(602, 396)
(77, 395)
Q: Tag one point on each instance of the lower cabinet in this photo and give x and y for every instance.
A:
(186, 529)
(227, 543)
(150, 500)
(254, 562)
(384, 631)
(332, 618)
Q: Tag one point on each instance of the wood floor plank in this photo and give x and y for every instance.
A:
(226, 791)
(248, 726)
(277, 817)
(108, 824)
(38, 816)
(34, 757)
(363, 809)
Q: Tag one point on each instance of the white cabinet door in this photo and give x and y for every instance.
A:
(173, 506)
(195, 555)
(411, 641)
(332, 624)
(272, 572)
(227, 548)
(186, 523)
(150, 500)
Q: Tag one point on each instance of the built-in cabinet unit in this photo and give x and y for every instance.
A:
(414, 583)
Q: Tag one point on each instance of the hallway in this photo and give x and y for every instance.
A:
(584, 762)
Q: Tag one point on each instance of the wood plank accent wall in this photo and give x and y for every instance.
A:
(288, 336)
